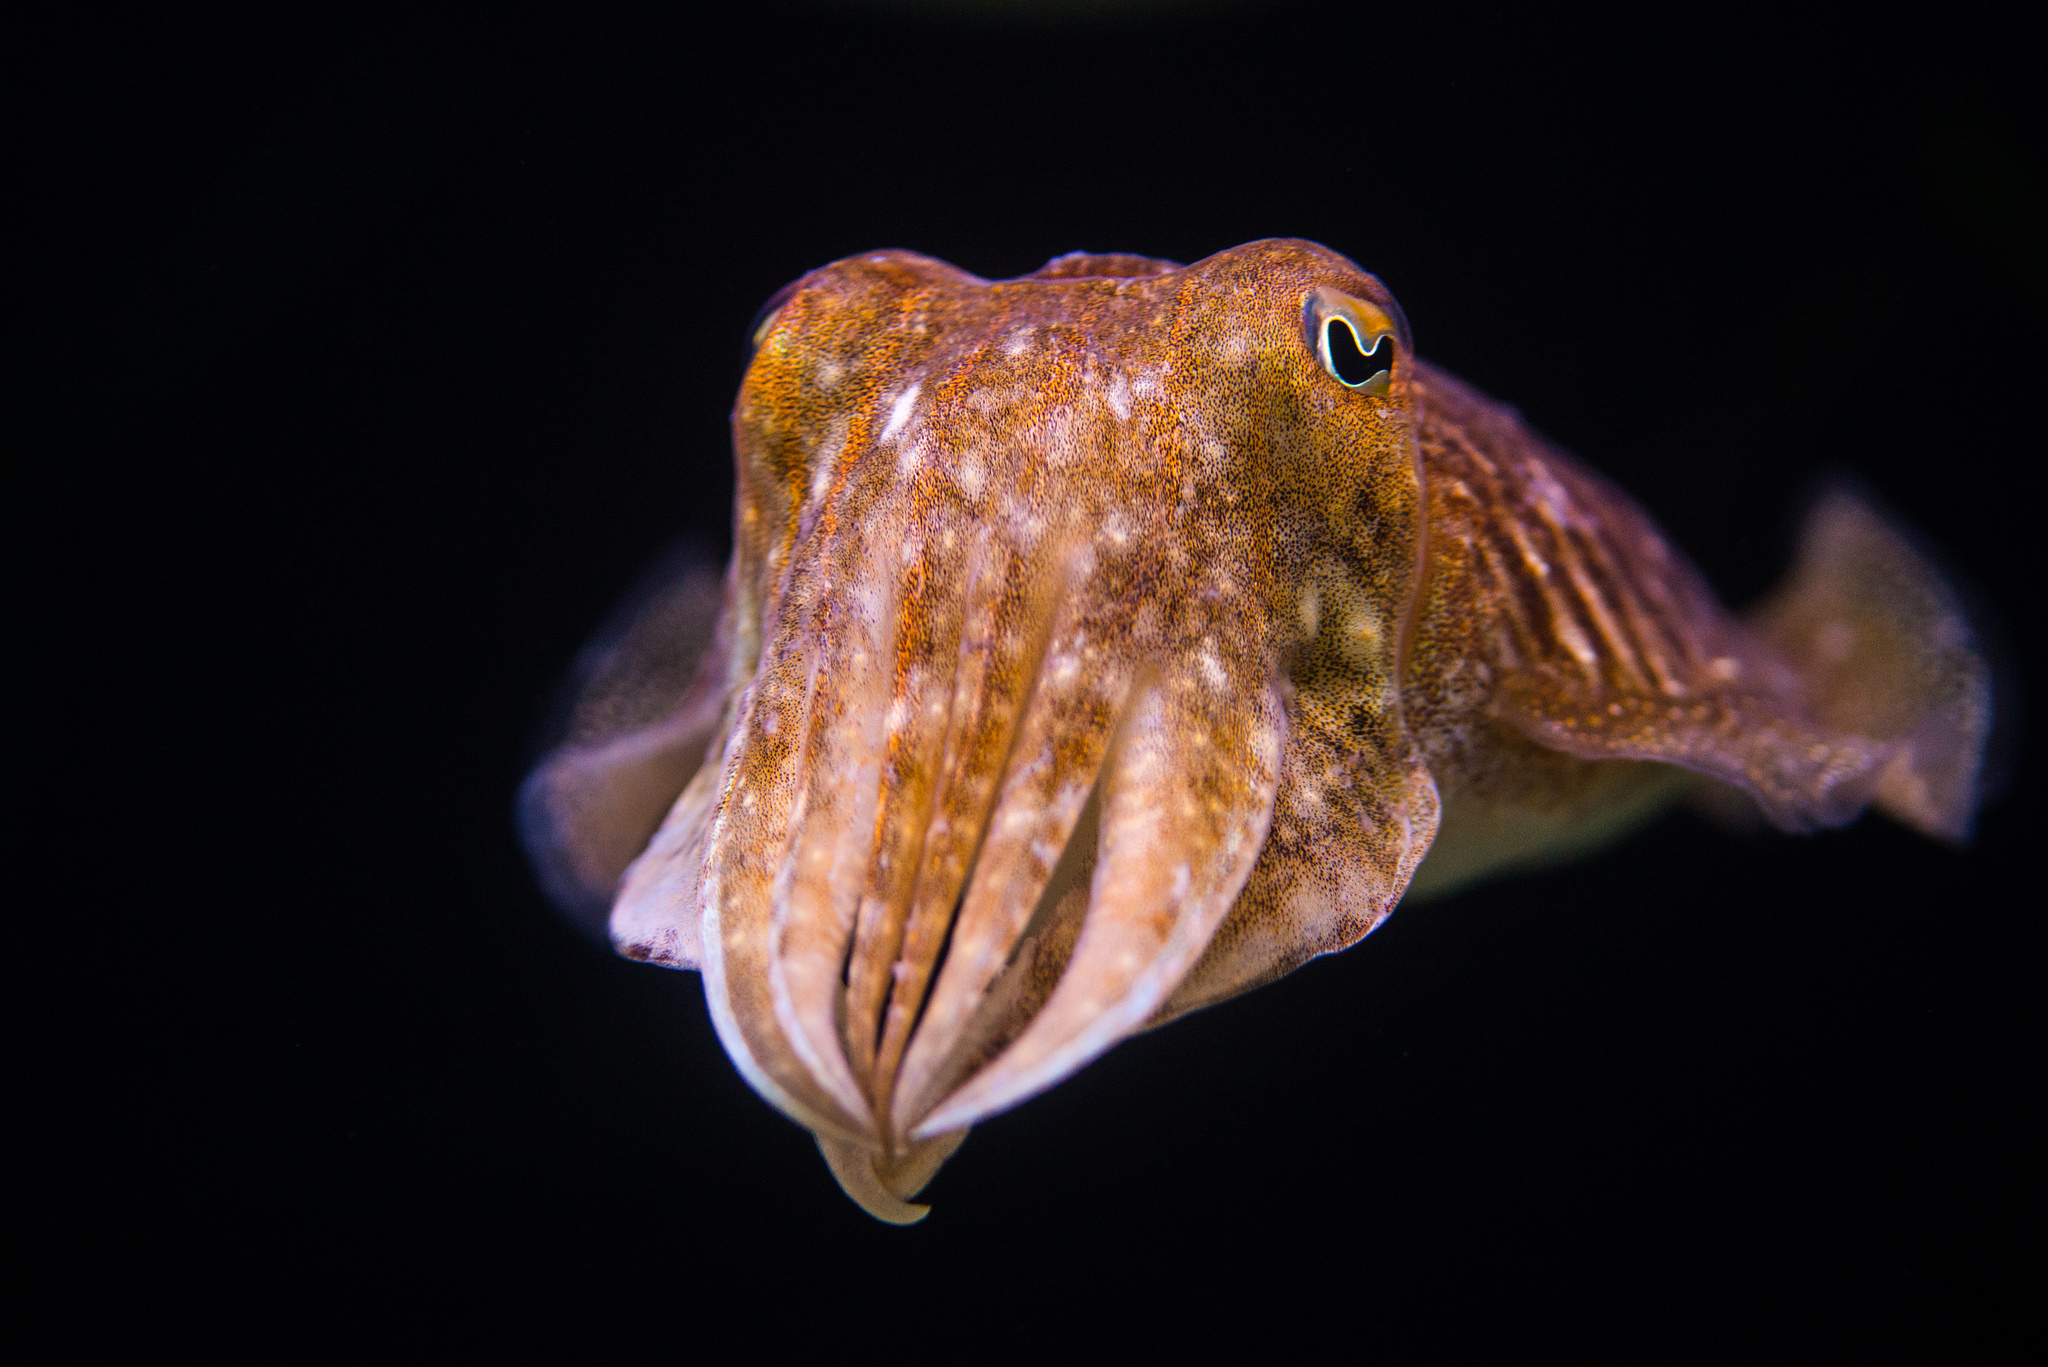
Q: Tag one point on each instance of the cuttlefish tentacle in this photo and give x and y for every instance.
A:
(746, 891)
(815, 895)
(1060, 745)
(1103, 643)
(883, 1183)
(1059, 727)
(793, 839)
(976, 814)
(936, 691)
(1187, 798)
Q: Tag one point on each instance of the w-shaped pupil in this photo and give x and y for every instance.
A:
(1354, 367)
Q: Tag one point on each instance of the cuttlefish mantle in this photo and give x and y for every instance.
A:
(1100, 644)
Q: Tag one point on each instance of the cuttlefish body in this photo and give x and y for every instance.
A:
(1101, 644)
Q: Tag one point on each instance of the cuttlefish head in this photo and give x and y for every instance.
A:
(1063, 638)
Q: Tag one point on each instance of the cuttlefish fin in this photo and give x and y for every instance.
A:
(1608, 645)
(649, 699)
(1859, 682)
(1884, 650)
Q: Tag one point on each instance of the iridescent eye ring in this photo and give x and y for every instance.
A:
(1349, 363)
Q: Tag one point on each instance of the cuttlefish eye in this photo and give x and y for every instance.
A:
(1337, 346)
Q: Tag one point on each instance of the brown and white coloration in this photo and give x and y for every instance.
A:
(1100, 644)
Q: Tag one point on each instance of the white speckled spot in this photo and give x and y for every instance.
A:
(899, 412)
(1118, 396)
(825, 459)
(910, 456)
(868, 598)
(1359, 637)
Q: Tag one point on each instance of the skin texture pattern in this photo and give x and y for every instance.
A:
(1104, 643)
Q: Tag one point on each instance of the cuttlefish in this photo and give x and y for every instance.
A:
(1101, 644)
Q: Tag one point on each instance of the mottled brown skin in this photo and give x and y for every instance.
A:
(1092, 652)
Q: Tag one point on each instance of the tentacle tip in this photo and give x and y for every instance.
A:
(891, 1211)
(882, 1191)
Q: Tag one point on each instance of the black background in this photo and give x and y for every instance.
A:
(416, 340)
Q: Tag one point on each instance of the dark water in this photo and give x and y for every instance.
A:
(418, 340)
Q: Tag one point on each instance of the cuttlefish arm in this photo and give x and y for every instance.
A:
(1101, 644)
